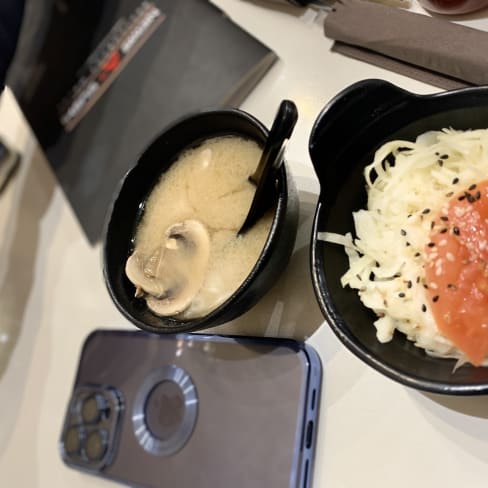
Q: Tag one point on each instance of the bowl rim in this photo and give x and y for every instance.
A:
(205, 322)
(316, 261)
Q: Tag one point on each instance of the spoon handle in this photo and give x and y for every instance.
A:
(280, 132)
(270, 161)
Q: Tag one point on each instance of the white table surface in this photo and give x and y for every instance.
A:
(372, 432)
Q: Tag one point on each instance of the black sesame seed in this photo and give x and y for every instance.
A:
(434, 299)
(443, 231)
(425, 286)
(401, 295)
(444, 156)
(470, 198)
(451, 286)
(424, 307)
(440, 162)
(403, 232)
(450, 194)
(426, 211)
(432, 224)
(431, 244)
(407, 244)
(437, 153)
(444, 218)
(472, 187)
(418, 279)
(455, 231)
(409, 284)
(377, 264)
(461, 198)
(397, 275)
(455, 181)
(416, 255)
(477, 195)
(409, 215)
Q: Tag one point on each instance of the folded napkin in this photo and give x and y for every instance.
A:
(429, 49)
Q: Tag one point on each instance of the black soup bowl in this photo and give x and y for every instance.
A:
(343, 141)
(126, 210)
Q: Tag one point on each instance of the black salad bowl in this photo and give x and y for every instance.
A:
(345, 136)
(125, 213)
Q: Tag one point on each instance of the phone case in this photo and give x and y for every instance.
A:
(193, 410)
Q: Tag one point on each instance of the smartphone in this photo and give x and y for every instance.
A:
(193, 410)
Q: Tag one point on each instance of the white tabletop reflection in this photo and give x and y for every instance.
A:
(372, 431)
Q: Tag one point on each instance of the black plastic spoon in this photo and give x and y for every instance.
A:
(271, 160)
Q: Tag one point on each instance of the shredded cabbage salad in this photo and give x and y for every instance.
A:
(407, 185)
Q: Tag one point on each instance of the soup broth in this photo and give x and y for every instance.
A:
(208, 190)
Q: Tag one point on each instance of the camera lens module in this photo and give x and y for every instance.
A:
(91, 427)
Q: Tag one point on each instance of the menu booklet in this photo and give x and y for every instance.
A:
(98, 81)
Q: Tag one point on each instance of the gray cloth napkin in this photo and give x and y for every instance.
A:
(426, 48)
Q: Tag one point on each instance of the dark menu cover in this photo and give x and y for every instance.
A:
(99, 80)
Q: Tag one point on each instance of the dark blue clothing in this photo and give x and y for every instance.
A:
(11, 12)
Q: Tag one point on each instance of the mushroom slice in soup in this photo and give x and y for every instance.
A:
(175, 272)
